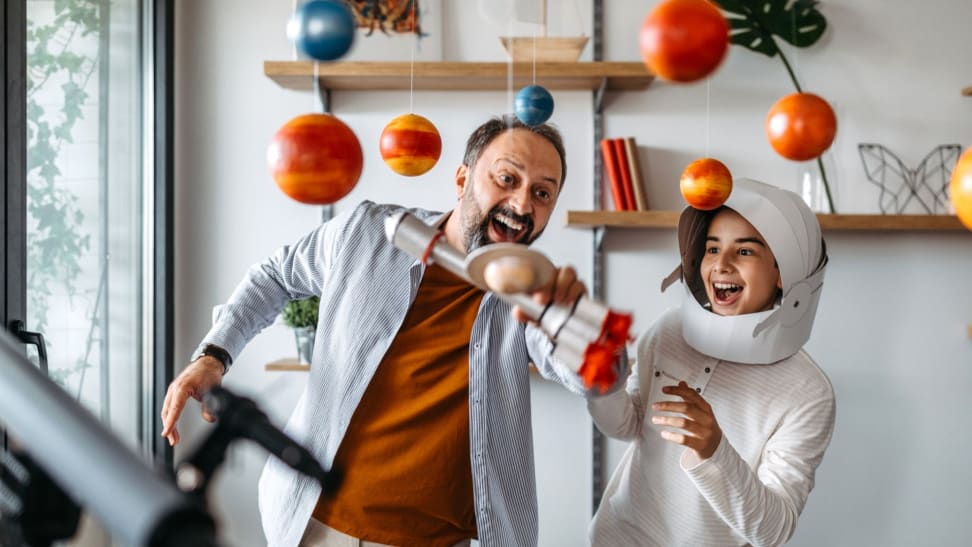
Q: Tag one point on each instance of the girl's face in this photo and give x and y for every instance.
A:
(738, 268)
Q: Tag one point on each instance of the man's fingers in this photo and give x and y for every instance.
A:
(520, 315)
(207, 415)
(175, 401)
(568, 287)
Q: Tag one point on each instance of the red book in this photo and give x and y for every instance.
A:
(634, 167)
(623, 170)
(611, 168)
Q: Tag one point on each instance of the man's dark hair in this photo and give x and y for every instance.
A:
(484, 134)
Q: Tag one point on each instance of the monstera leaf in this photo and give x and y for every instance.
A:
(754, 22)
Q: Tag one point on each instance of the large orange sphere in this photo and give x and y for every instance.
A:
(706, 184)
(801, 126)
(315, 159)
(410, 145)
(960, 188)
(684, 40)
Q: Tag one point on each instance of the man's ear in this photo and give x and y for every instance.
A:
(779, 282)
(462, 176)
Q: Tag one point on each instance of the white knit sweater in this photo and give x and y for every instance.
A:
(776, 421)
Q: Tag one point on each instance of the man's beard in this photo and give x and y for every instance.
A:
(477, 235)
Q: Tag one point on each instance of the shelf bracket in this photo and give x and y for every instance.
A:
(599, 238)
(324, 94)
(599, 95)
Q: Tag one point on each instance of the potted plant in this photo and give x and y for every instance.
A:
(301, 315)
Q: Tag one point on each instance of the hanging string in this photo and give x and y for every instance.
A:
(542, 7)
(708, 87)
(580, 20)
(509, 66)
(293, 21)
(316, 86)
(411, 67)
(796, 50)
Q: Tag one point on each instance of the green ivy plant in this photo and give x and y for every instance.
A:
(55, 242)
(301, 313)
(755, 25)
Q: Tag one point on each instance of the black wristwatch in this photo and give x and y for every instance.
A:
(219, 353)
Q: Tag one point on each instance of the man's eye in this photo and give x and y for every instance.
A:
(505, 179)
(543, 195)
(746, 252)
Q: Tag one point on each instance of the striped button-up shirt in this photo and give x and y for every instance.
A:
(366, 287)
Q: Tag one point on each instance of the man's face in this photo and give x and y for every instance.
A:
(509, 195)
(738, 267)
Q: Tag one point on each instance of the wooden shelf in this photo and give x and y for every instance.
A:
(669, 219)
(287, 364)
(967, 91)
(463, 76)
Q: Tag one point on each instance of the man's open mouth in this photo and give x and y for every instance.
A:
(507, 227)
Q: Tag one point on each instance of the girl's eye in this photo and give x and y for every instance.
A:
(711, 250)
(746, 252)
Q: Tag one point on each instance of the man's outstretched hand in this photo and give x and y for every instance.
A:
(198, 378)
(564, 288)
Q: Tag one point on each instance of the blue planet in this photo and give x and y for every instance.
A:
(322, 29)
(533, 105)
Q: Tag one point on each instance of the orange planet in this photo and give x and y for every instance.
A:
(706, 184)
(960, 188)
(684, 40)
(315, 159)
(410, 145)
(801, 126)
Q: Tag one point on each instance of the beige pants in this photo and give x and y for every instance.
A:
(319, 534)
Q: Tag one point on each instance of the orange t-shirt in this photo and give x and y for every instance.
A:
(407, 477)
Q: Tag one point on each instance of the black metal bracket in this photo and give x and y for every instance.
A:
(19, 330)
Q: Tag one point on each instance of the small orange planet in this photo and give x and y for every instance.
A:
(706, 184)
(960, 188)
(410, 145)
(801, 126)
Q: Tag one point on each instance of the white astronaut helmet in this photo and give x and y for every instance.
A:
(792, 232)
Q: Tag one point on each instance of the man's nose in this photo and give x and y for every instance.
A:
(520, 201)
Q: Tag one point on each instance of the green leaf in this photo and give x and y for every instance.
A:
(753, 23)
(301, 313)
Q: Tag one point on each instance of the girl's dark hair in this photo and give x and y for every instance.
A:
(484, 134)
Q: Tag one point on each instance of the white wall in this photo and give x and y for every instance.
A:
(891, 325)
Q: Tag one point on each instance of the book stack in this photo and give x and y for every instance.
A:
(623, 170)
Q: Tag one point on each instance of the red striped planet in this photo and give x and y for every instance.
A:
(410, 145)
(315, 159)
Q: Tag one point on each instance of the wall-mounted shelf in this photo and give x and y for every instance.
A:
(967, 91)
(669, 219)
(460, 76)
(287, 364)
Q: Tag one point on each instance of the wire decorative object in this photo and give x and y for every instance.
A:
(925, 186)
